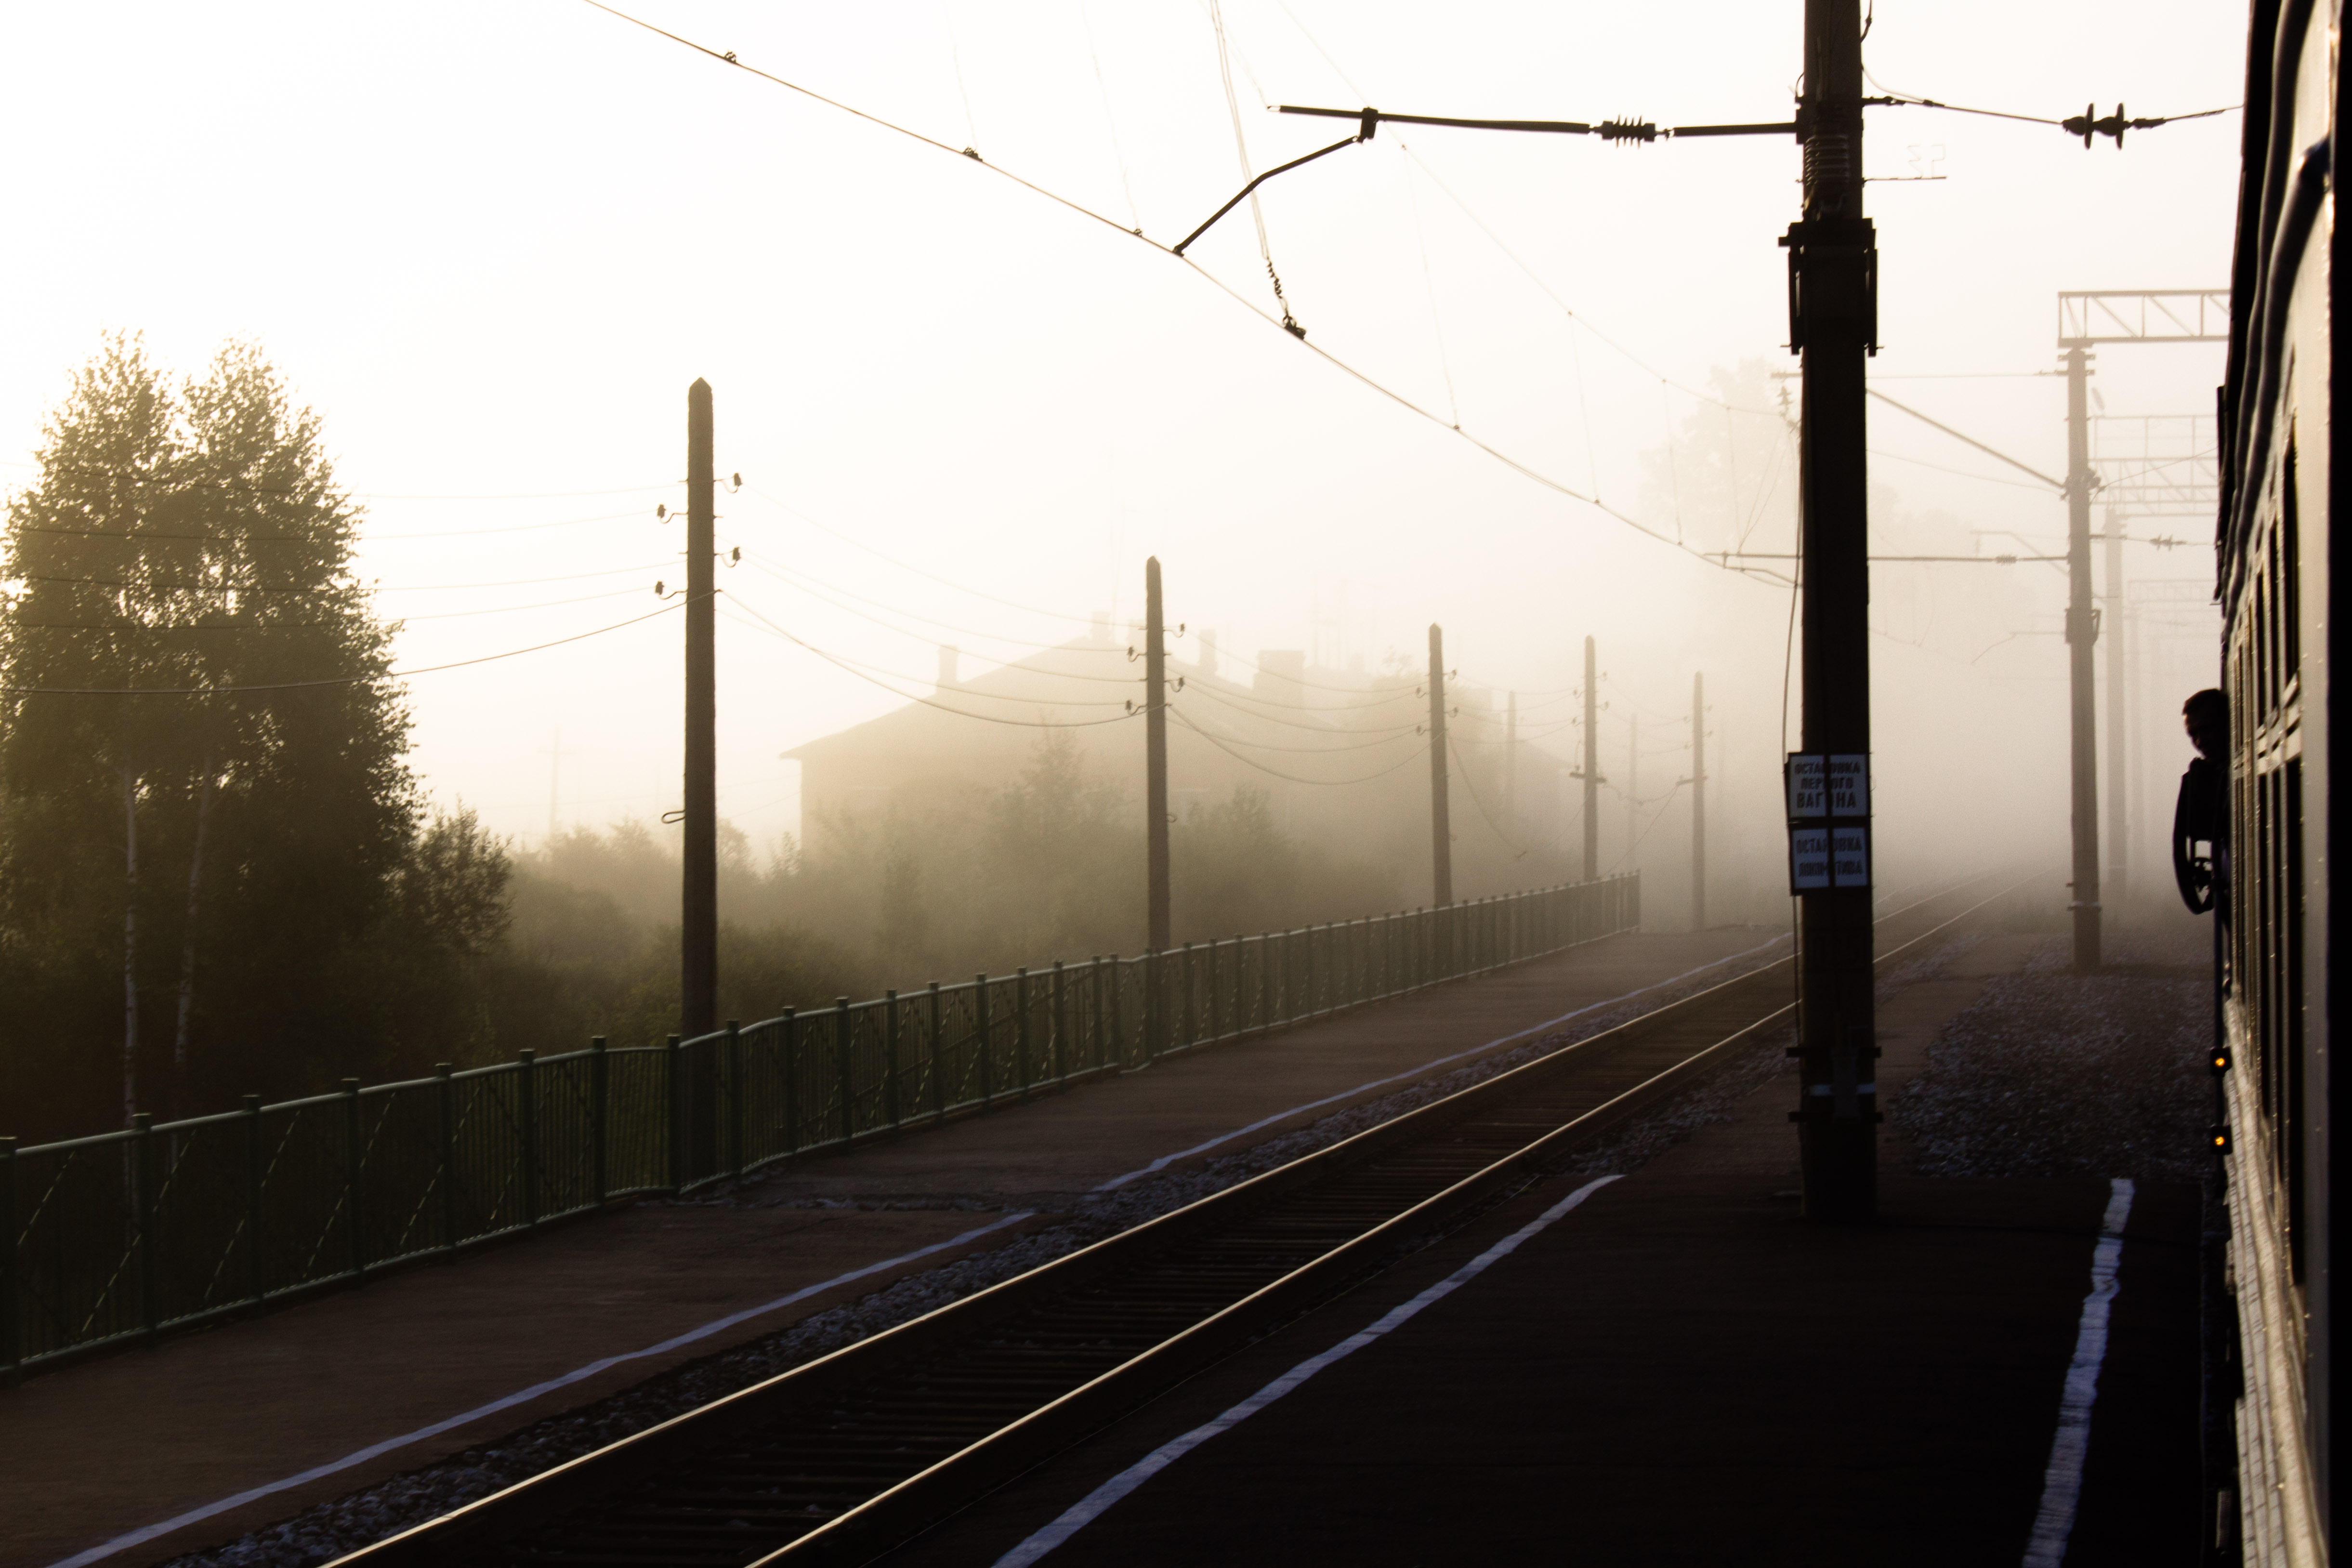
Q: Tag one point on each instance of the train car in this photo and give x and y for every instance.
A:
(2271, 1385)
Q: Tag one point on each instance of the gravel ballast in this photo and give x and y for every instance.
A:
(2056, 1074)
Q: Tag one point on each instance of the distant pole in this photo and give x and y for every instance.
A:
(1440, 825)
(1510, 758)
(554, 774)
(1698, 803)
(1633, 786)
(698, 914)
(1832, 298)
(2081, 633)
(2112, 627)
(1155, 753)
(1591, 768)
(2136, 736)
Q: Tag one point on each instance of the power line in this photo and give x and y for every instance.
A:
(1292, 778)
(360, 535)
(791, 511)
(850, 667)
(350, 495)
(327, 588)
(1388, 740)
(1288, 325)
(801, 582)
(336, 680)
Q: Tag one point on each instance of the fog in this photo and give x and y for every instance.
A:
(492, 246)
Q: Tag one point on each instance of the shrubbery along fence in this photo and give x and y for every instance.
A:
(120, 1236)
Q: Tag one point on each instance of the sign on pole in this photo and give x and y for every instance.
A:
(1828, 821)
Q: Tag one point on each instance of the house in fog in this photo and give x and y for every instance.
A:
(1342, 755)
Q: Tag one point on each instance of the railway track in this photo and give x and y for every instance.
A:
(837, 1461)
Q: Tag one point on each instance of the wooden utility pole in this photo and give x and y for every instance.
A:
(1155, 756)
(1833, 259)
(1699, 801)
(1440, 825)
(1510, 758)
(2081, 635)
(1632, 787)
(699, 913)
(1591, 773)
(2119, 840)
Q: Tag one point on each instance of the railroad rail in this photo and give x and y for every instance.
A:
(843, 1458)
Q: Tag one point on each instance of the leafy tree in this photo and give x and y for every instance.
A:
(200, 745)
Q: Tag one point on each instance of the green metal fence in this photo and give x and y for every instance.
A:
(117, 1237)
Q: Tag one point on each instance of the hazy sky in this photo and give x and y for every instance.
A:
(493, 244)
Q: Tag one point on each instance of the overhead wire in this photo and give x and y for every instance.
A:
(1429, 283)
(1178, 714)
(1238, 702)
(1470, 785)
(1388, 740)
(811, 585)
(851, 668)
(1241, 146)
(360, 536)
(1288, 324)
(335, 680)
(1118, 153)
(794, 511)
(246, 485)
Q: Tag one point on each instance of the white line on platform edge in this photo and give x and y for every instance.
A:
(1090, 1508)
(1263, 1122)
(2061, 1483)
(676, 1342)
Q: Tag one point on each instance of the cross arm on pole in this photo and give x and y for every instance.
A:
(1369, 119)
(1608, 130)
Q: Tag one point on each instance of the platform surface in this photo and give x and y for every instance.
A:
(117, 1445)
(1683, 1371)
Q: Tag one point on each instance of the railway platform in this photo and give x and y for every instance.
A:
(1667, 1365)
(148, 1454)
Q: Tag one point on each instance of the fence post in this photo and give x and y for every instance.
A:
(1150, 973)
(735, 1097)
(1190, 1015)
(980, 1032)
(446, 1096)
(890, 1058)
(842, 1066)
(1113, 1043)
(1020, 1028)
(142, 1174)
(938, 1066)
(792, 1081)
(1209, 993)
(257, 1168)
(673, 1096)
(1102, 1016)
(12, 1321)
(527, 1114)
(352, 1155)
(600, 1116)
(1061, 1028)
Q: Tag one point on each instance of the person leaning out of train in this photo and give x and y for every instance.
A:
(2200, 817)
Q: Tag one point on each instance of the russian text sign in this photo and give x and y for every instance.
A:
(1807, 785)
(1809, 858)
(1849, 855)
(1849, 784)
